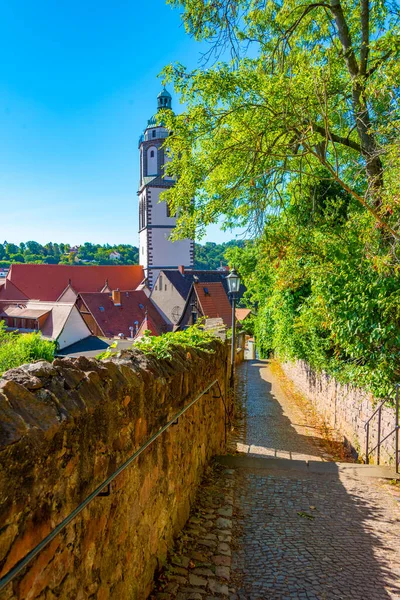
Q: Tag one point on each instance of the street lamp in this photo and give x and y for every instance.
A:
(233, 281)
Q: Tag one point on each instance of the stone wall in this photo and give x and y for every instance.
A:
(345, 408)
(64, 428)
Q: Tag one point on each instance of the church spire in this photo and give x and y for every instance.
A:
(164, 99)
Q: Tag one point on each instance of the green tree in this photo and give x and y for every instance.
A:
(12, 249)
(34, 248)
(49, 249)
(17, 257)
(310, 85)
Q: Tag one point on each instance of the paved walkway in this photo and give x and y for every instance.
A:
(266, 528)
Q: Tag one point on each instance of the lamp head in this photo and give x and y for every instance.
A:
(233, 281)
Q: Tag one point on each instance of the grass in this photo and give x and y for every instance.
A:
(17, 349)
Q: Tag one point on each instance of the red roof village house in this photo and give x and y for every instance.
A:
(208, 300)
(58, 321)
(127, 313)
(65, 282)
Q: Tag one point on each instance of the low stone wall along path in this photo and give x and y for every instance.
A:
(279, 519)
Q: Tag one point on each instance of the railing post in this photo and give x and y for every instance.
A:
(397, 429)
(367, 445)
(378, 450)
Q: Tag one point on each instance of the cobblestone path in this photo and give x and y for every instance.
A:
(264, 528)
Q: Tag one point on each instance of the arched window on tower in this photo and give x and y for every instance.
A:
(152, 161)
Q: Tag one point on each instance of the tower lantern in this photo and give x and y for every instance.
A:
(156, 250)
(164, 99)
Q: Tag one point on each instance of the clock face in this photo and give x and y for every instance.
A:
(176, 313)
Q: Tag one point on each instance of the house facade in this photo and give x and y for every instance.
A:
(120, 314)
(57, 321)
(172, 287)
(208, 301)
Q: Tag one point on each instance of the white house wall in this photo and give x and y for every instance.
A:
(158, 210)
(143, 250)
(165, 253)
(74, 330)
(167, 299)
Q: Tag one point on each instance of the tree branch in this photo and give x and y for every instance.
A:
(359, 198)
(364, 52)
(344, 141)
(344, 37)
(378, 63)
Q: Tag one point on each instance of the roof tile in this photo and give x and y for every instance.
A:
(47, 282)
(113, 320)
(213, 301)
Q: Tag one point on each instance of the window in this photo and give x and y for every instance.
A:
(165, 287)
(160, 282)
(152, 159)
(142, 249)
(142, 213)
(154, 133)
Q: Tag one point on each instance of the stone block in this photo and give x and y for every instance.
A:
(64, 428)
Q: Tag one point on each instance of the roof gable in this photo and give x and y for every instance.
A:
(183, 281)
(213, 301)
(113, 320)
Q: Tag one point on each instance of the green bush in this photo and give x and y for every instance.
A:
(163, 346)
(17, 349)
(326, 290)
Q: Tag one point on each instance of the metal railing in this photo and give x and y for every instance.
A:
(380, 441)
(104, 489)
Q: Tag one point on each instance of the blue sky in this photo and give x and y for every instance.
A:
(78, 81)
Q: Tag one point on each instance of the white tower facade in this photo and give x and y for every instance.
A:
(156, 250)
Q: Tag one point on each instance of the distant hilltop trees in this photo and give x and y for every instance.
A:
(208, 256)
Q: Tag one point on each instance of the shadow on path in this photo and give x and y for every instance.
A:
(302, 534)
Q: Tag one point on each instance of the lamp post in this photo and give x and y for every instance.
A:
(233, 281)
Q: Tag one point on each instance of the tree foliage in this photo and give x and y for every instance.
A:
(207, 256)
(293, 131)
(310, 85)
(323, 293)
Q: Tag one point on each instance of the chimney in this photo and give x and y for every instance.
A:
(116, 296)
(181, 269)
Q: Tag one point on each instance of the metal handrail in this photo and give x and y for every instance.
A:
(380, 441)
(379, 408)
(13, 572)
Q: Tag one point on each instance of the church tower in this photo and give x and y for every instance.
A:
(156, 250)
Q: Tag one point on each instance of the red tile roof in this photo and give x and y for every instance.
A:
(150, 325)
(113, 320)
(47, 282)
(213, 301)
(8, 291)
(242, 313)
